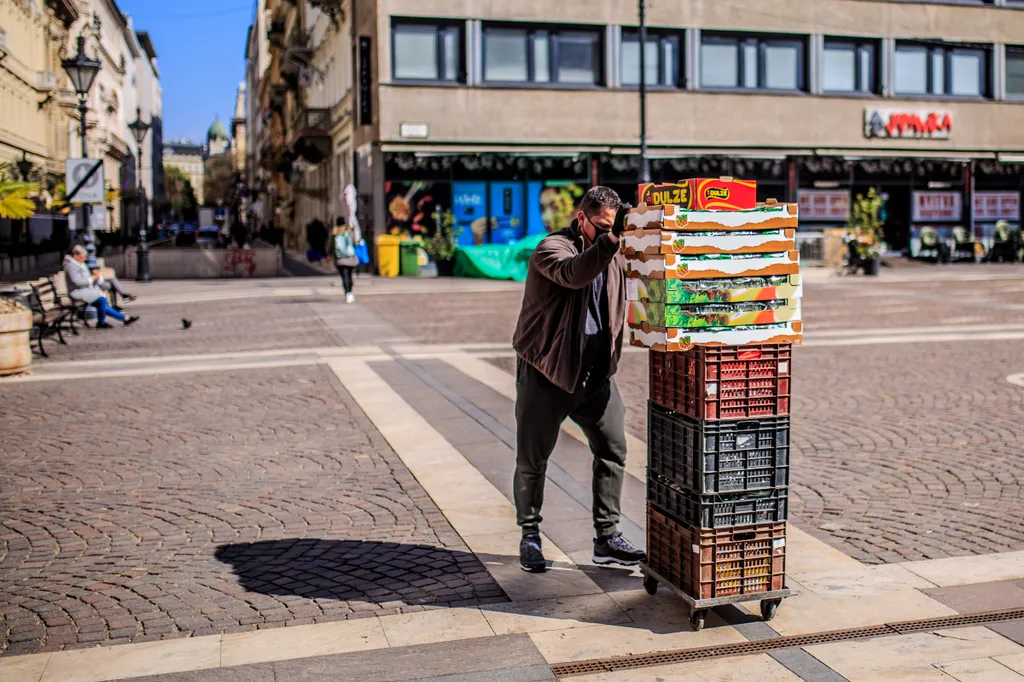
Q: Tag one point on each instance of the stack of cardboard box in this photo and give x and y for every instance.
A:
(714, 291)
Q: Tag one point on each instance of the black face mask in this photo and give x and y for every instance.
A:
(598, 230)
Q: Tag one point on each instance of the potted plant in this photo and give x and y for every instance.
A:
(441, 245)
(865, 228)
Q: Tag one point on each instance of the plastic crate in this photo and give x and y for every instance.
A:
(723, 382)
(717, 511)
(707, 563)
(718, 457)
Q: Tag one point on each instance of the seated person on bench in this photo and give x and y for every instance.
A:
(88, 287)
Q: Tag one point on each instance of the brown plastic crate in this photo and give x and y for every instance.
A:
(723, 382)
(707, 563)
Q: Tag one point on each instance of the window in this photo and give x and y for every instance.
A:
(937, 69)
(662, 60)
(849, 66)
(541, 55)
(753, 62)
(426, 52)
(1015, 71)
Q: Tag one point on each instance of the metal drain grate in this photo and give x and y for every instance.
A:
(601, 665)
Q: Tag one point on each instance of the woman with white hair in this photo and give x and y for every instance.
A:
(84, 286)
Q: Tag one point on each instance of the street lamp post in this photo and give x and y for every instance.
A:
(24, 167)
(139, 129)
(645, 165)
(82, 72)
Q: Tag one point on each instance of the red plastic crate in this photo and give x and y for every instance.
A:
(723, 382)
(717, 562)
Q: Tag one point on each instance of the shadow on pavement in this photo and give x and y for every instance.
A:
(364, 571)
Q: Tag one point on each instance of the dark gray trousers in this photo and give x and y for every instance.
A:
(541, 407)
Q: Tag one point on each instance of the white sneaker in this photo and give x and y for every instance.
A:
(350, 297)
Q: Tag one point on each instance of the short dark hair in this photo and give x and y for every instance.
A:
(339, 221)
(599, 198)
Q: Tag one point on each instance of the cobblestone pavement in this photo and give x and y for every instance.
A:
(143, 508)
(217, 327)
(901, 451)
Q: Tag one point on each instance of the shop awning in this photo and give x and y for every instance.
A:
(523, 150)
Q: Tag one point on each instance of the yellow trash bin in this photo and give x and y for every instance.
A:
(388, 259)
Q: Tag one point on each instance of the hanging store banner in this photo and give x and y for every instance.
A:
(991, 206)
(919, 123)
(937, 207)
(831, 205)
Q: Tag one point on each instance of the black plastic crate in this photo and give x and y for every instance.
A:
(721, 456)
(717, 510)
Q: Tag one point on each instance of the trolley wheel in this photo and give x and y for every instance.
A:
(769, 608)
(697, 619)
(650, 584)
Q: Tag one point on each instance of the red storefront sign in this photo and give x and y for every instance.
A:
(992, 206)
(937, 207)
(900, 123)
(831, 205)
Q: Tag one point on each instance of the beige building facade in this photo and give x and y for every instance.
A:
(33, 122)
(494, 104)
(191, 159)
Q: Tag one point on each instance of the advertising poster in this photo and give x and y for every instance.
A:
(551, 205)
(411, 206)
(469, 206)
(937, 207)
(507, 212)
(824, 205)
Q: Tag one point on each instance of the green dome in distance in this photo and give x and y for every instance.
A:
(217, 131)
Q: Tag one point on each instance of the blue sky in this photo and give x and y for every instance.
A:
(200, 46)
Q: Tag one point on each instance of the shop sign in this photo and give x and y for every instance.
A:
(920, 123)
(831, 205)
(992, 206)
(365, 81)
(937, 207)
(414, 130)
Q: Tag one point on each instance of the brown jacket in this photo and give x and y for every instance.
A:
(549, 334)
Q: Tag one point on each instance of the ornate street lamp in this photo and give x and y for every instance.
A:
(139, 129)
(24, 167)
(82, 72)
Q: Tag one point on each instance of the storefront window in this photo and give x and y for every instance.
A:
(505, 56)
(719, 64)
(941, 70)
(577, 58)
(752, 62)
(523, 55)
(848, 66)
(426, 52)
(1015, 71)
(661, 55)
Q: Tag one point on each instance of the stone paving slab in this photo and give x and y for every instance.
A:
(142, 508)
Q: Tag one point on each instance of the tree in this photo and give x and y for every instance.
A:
(220, 180)
(16, 197)
(866, 223)
(181, 197)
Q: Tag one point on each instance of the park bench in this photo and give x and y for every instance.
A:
(48, 315)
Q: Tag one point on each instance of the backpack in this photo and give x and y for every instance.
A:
(344, 245)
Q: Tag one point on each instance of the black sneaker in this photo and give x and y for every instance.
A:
(615, 549)
(531, 558)
(104, 325)
(130, 320)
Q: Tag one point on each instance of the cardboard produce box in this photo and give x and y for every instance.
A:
(673, 266)
(712, 315)
(766, 217)
(702, 193)
(734, 290)
(676, 339)
(655, 241)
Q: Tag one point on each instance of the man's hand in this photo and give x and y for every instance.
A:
(620, 220)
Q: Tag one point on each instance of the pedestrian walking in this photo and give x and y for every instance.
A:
(568, 341)
(346, 238)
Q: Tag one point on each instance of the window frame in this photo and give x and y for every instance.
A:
(1017, 50)
(552, 32)
(761, 41)
(439, 27)
(660, 35)
(946, 51)
(857, 45)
